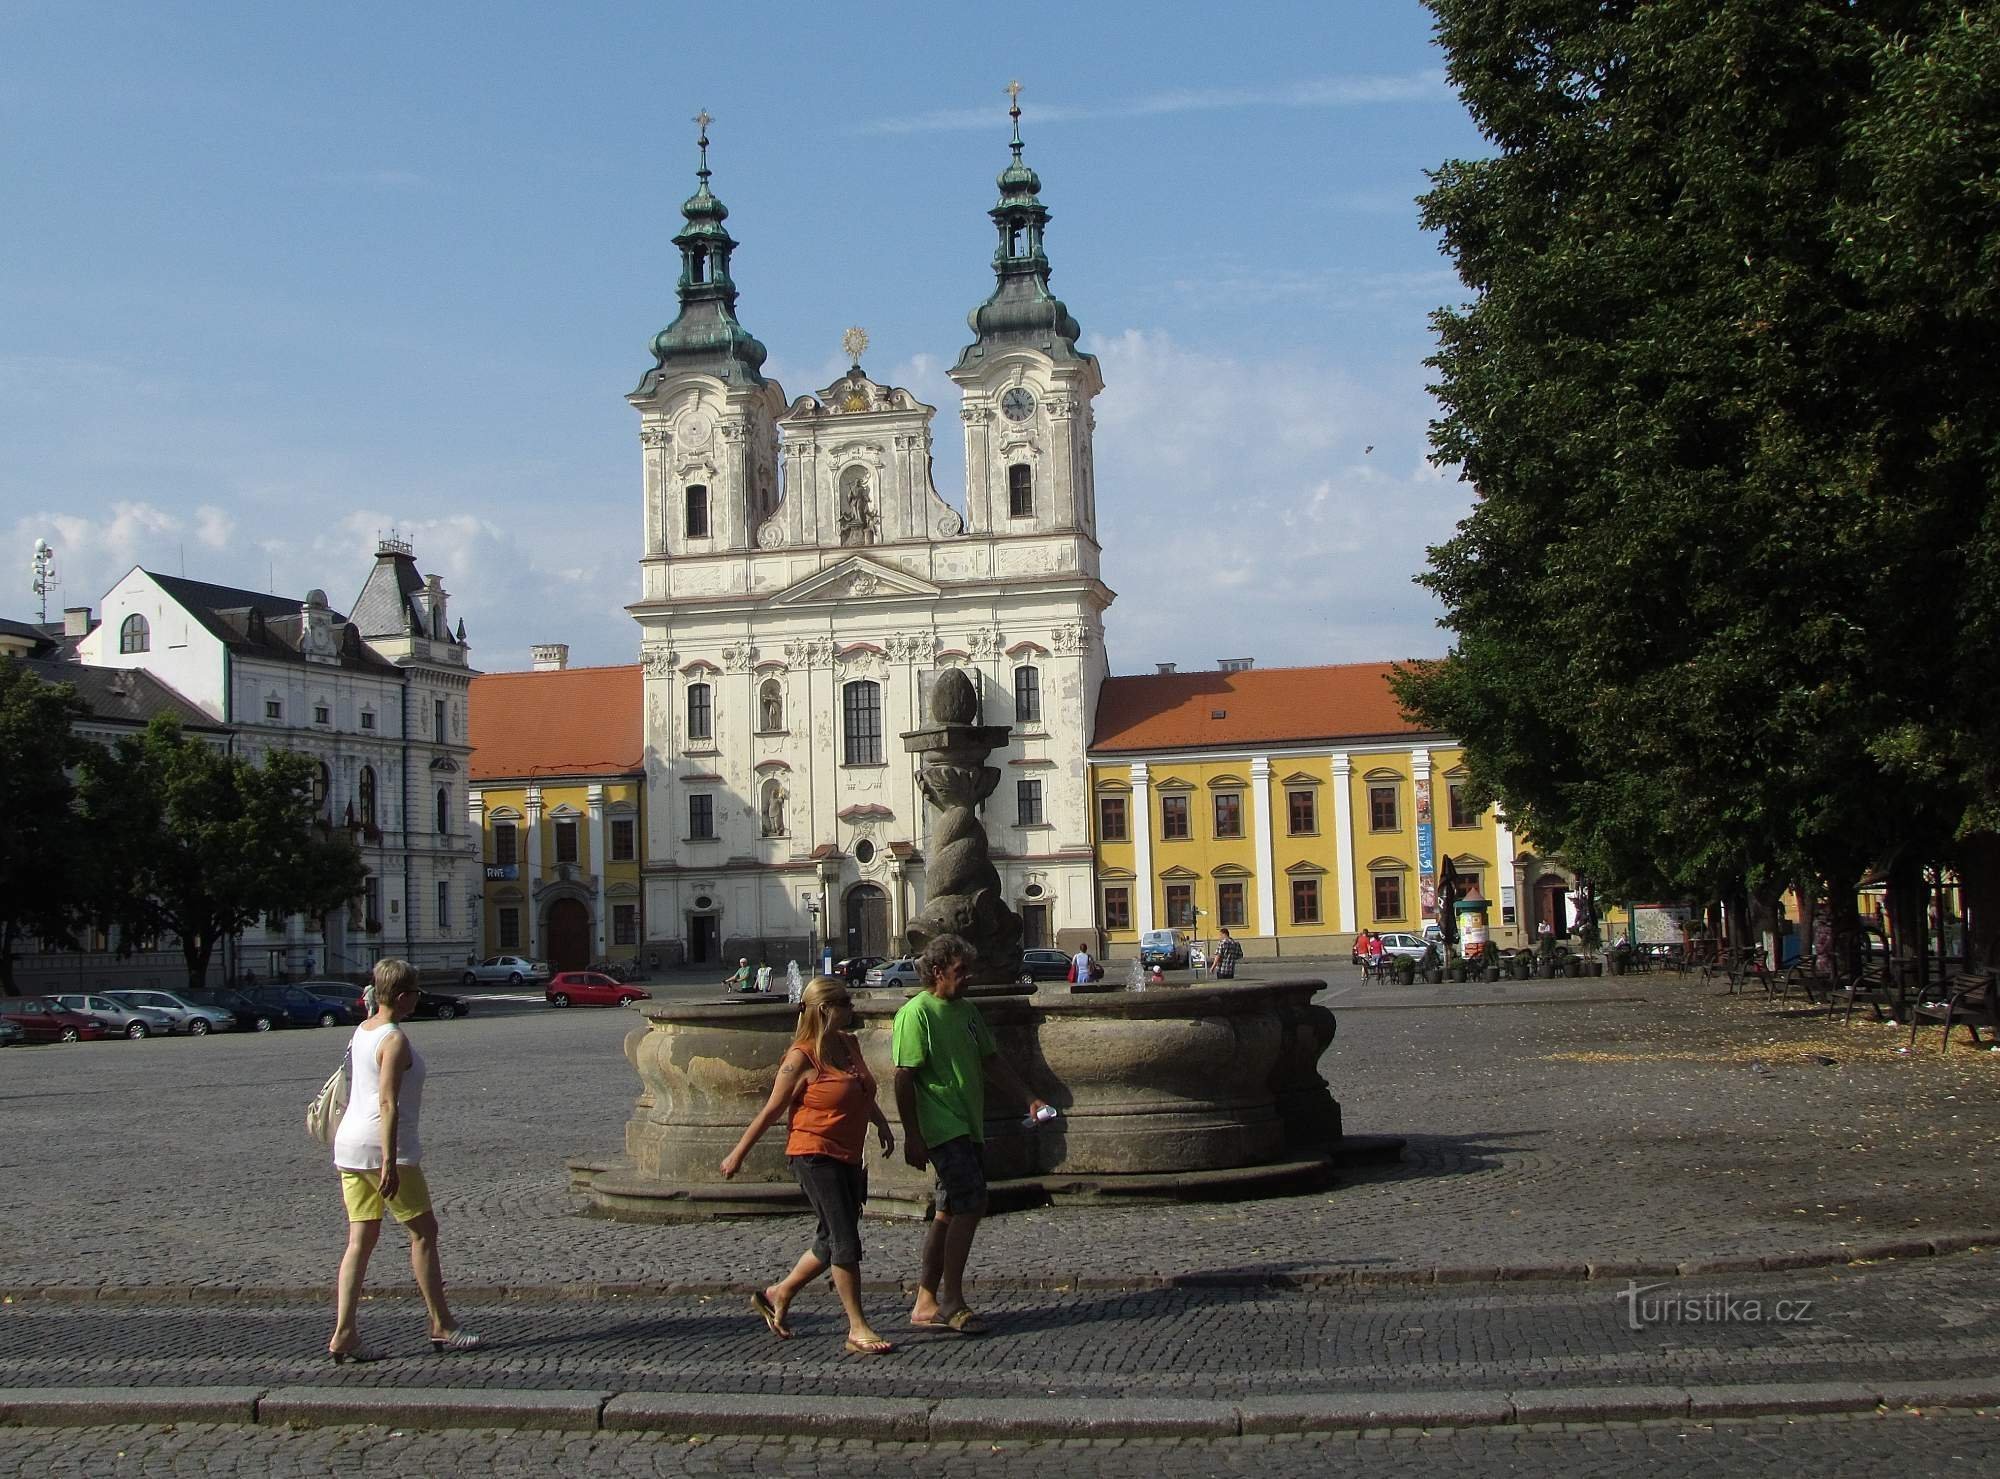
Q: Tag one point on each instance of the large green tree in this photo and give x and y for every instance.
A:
(1736, 493)
(198, 844)
(38, 821)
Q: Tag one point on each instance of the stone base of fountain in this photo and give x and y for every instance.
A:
(1206, 1091)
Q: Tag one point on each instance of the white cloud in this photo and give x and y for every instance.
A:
(214, 526)
(1320, 92)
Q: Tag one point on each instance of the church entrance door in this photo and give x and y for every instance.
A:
(569, 936)
(1034, 926)
(867, 920)
(1551, 904)
(704, 938)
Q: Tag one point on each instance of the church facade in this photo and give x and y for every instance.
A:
(804, 583)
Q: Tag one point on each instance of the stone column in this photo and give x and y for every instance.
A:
(1142, 842)
(475, 816)
(532, 873)
(1343, 839)
(595, 803)
(1267, 882)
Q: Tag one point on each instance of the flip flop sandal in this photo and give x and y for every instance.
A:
(965, 1322)
(869, 1348)
(768, 1312)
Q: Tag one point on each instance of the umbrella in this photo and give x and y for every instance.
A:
(1448, 889)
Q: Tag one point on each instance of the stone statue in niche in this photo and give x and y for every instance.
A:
(771, 706)
(857, 512)
(774, 808)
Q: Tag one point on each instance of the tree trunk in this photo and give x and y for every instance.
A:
(195, 950)
(1979, 895)
(8, 934)
(1807, 892)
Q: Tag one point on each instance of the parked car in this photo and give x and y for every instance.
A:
(117, 1016)
(854, 970)
(1163, 948)
(1404, 943)
(590, 989)
(894, 973)
(250, 1016)
(41, 1020)
(1045, 965)
(338, 1001)
(188, 1016)
(10, 1034)
(511, 969)
(294, 1006)
(440, 1005)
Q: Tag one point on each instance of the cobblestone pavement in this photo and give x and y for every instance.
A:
(1640, 1122)
(1891, 1443)
(1934, 1318)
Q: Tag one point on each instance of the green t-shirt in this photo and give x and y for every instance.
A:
(946, 1044)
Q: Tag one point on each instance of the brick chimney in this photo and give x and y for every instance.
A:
(549, 657)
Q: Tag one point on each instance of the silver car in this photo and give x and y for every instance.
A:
(511, 969)
(119, 1016)
(894, 973)
(187, 1016)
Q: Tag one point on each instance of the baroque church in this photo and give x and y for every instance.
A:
(804, 583)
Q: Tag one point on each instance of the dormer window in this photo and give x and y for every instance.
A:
(134, 635)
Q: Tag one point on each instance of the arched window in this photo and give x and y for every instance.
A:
(1020, 491)
(366, 793)
(134, 635)
(1027, 696)
(696, 525)
(701, 713)
(861, 723)
(771, 705)
(444, 810)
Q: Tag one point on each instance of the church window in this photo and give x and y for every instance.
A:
(1027, 803)
(566, 840)
(505, 844)
(365, 790)
(444, 811)
(1027, 695)
(134, 635)
(624, 839)
(322, 714)
(1020, 491)
(861, 723)
(701, 818)
(697, 512)
(274, 708)
(701, 713)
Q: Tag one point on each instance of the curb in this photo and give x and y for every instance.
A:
(926, 1420)
(1833, 1256)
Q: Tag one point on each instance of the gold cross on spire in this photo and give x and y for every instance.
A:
(1014, 93)
(703, 120)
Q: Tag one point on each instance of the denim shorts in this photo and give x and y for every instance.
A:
(836, 1189)
(960, 1165)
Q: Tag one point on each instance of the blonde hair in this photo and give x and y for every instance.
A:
(393, 978)
(816, 1015)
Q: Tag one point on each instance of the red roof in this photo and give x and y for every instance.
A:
(563, 721)
(1184, 711)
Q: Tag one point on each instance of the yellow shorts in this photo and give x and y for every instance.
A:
(362, 1192)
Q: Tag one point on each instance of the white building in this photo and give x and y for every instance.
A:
(803, 581)
(379, 699)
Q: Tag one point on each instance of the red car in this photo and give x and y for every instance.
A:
(44, 1021)
(590, 989)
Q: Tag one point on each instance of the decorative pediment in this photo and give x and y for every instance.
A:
(1382, 775)
(853, 394)
(855, 578)
(1467, 860)
(1227, 783)
(766, 766)
(1173, 783)
(1304, 868)
(1110, 784)
(503, 814)
(566, 813)
(445, 763)
(622, 890)
(1179, 873)
(1116, 875)
(1230, 870)
(1388, 865)
(1301, 778)
(1026, 649)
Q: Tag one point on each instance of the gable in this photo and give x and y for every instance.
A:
(853, 579)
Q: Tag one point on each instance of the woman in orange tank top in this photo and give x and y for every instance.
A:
(830, 1093)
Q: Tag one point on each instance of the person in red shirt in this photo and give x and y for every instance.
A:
(825, 1084)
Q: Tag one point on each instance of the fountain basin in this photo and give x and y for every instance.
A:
(1207, 1090)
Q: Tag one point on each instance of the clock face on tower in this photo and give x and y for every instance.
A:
(1017, 404)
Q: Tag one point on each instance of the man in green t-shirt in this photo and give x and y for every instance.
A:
(945, 1056)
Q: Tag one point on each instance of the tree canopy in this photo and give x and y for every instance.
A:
(1725, 607)
(38, 853)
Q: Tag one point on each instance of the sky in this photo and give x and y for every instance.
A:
(281, 279)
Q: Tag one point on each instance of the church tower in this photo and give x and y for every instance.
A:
(707, 416)
(1027, 387)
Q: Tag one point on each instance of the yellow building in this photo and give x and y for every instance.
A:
(1294, 806)
(558, 796)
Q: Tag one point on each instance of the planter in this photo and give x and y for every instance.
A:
(1458, 972)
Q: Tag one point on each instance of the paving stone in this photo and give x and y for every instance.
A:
(1753, 1399)
(1057, 1417)
(1598, 1404)
(1314, 1413)
(431, 1407)
(96, 1406)
(793, 1415)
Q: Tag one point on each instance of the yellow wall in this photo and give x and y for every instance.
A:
(508, 802)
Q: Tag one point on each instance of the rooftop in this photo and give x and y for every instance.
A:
(560, 721)
(1185, 711)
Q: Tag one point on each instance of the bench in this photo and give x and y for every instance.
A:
(1969, 1000)
(1875, 987)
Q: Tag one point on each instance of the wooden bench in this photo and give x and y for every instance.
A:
(1969, 1000)
(1875, 987)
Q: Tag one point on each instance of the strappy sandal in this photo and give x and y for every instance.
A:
(458, 1340)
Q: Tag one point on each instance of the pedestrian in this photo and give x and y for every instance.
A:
(825, 1086)
(1226, 955)
(1082, 969)
(741, 978)
(945, 1057)
(764, 976)
(378, 1151)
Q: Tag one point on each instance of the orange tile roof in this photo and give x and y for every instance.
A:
(566, 721)
(1177, 711)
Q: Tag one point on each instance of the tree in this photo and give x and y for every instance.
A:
(199, 844)
(38, 843)
(1735, 457)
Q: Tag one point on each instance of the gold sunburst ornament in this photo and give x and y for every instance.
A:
(855, 342)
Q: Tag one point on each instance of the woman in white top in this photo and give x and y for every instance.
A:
(377, 1151)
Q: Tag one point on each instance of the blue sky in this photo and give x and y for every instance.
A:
(279, 277)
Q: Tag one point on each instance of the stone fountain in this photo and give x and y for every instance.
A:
(1206, 1091)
